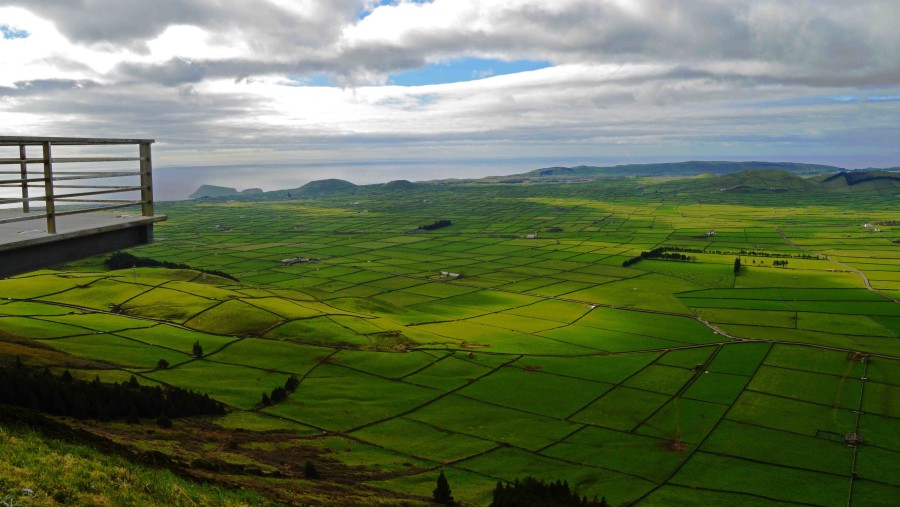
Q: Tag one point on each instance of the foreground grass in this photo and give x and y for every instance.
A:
(36, 470)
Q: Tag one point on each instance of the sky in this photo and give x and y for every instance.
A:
(374, 90)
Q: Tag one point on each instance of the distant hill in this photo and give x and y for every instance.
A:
(756, 180)
(398, 185)
(861, 180)
(693, 168)
(324, 187)
(211, 191)
(207, 191)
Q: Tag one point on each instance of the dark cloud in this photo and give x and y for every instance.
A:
(265, 26)
(43, 87)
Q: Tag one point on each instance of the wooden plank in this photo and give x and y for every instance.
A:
(146, 180)
(48, 188)
(23, 173)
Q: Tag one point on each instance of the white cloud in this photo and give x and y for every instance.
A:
(654, 74)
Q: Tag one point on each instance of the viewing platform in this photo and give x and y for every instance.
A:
(57, 215)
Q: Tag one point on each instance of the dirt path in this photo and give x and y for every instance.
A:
(862, 275)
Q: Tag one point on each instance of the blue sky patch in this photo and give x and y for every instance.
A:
(13, 33)
(826, 100)
(366, 11)
(318, 79)
(464, 69)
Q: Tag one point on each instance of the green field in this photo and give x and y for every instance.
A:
(661, 383)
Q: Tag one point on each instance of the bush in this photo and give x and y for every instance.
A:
(309, 471)
(124, 260)
(163, 422)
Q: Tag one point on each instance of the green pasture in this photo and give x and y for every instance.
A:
(547, 358)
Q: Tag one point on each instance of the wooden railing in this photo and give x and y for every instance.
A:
(47, 179)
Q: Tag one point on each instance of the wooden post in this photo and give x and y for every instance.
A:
(23, 170)
(146, 181)
(48, 189)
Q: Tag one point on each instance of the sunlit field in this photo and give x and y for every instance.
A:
(653, 383)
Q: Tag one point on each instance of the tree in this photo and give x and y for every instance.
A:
(737, 265)
(291, 384)
(162, 364)
(278, 395)
(265, 400)
(198, 350)
(309, 471)
(442, 493)
(163, 421)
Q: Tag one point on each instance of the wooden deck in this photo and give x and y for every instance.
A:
(25, 244)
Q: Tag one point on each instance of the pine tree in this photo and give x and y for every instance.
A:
(309, 471)
(737, 265)
(442, 493)
(278, 395)
(265, 400)
(291, 384)
(198, 350)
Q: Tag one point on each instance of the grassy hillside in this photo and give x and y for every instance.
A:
(39, 470)
(692, 168)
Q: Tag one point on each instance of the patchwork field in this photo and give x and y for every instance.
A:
(660, 383)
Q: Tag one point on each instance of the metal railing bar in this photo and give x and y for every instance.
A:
(93, 176)
(68, 160)
(36, 216)
(98, 208)
(33, 216)
(59, 197)
(100, 174)
(66, 141)
(123, 188)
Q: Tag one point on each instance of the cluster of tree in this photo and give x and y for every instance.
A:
(756, 253)
(737, 265)
(530, 492)
(780, 263)
(436, 225)
(280, 394)
(67, 396)
(662, 254)
(125, 260)
(749, 253)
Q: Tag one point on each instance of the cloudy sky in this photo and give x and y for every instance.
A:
(452, 87)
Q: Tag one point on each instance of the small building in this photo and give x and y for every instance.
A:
(447, 274)
(531, 236)
(296, 260)
(853, 439)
